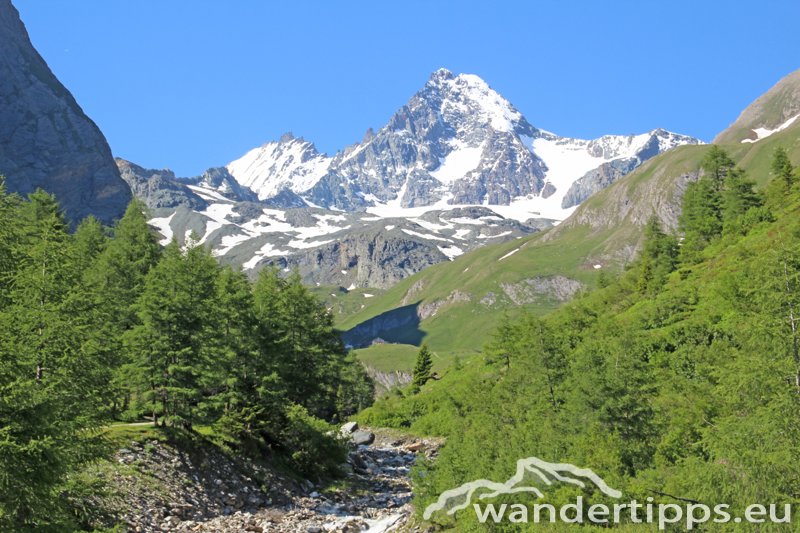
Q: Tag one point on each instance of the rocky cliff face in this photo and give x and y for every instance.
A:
(456, 139)
(46, 141)
(159, 188)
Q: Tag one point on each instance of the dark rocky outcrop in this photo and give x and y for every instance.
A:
(372, 258)
(46, 140)
(159, 188)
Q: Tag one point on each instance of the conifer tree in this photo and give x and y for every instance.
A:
(171, 348)
(51, 390)
(701, 218)
(422, 367)
(310, 354)
(658, 258)
(782, 169)
(89, 241)
(9, 238)
(119, 273)
(716, 165)
(738, 198)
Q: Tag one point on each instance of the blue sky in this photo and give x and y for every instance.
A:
(193, 84)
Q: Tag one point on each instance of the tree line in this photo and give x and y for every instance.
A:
(101, 324)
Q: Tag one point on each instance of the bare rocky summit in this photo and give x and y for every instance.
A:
(46, 140)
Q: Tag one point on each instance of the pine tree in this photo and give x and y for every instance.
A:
(52, 391)
(356, 390)
(9, 238)
(250, 397)
(422, 367)
(310, 354)
(172, 347)
(782, 169)
(701, 217)
(89, 241)
(717, 164)
(738, 198)
(658, 258)
(119, 273)
(113, 283)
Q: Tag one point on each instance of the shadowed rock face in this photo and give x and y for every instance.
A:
(46, 141)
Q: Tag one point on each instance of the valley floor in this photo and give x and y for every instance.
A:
(168, 484)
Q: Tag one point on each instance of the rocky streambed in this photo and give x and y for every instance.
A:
(374, 497)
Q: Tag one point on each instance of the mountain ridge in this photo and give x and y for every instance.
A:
(46, 140)
(456, 167)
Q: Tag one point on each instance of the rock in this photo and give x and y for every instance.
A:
(313, 529)
(46, 140)
(158, 188)
(362, 438)
(598, 179)
(349, 428)
(542, 288)
(357, 461)
(415, 446)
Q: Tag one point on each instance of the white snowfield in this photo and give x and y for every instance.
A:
(763, 133)
(275, 166)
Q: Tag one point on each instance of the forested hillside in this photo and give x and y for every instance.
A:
(103, 324)
(679, 380)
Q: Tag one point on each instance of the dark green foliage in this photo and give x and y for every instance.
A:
(312, 450)
(52, 387)
(100, 324)
(716, 166)
(680, 377)
(301, 330)
(738, 198)
(720, 202)
(658, 258)
(172, 345)
(422, 367)
(701, 217)
(783, 171)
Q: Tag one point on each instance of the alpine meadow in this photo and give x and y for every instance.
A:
(461, 322)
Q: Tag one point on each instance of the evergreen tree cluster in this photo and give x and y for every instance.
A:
(678, 381)
(101, 324)
(722, 201)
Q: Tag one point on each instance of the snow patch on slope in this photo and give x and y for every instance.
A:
(458, 163)
(163, 226)
(763, 133)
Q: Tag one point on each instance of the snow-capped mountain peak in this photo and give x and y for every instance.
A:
(290, 163)
(456, 142)
(468, 94)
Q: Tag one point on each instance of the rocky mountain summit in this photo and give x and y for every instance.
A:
(455, 168)
(46, 140)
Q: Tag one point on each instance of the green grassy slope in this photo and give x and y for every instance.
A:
(571, 251)
(469, 295)
(684, 390)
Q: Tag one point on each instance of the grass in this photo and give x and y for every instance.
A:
(606, 229)
(343, 302)
(401, 357)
